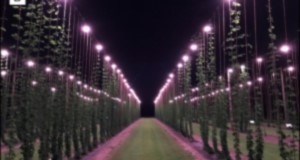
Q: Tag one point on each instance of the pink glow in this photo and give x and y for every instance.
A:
(249, 83)
(171, 75)
(30, 63)
(179, 65)
(260, 79)
(86, 29)
(34, 83)
(193, 47)
(4, 53)
(227, 89)
(53, 89)
(185, 58)
(99, 47)
(291, 68)
(243, 67)
(229, 70)
(3, 73)
(60, 73)
(285, 48)
(259, 60)
(48, 69)
(107, 58)
(113, 66)
(118, 71)
(79, 82)
(71, 77)
(207, 28)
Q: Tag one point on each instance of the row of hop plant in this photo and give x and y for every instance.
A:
(65, 115)
(233, 101)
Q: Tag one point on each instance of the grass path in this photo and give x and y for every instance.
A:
(148, 141)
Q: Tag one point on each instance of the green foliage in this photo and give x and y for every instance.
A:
(222, 103)
(63, 123)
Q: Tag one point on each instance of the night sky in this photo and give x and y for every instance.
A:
(146, 38)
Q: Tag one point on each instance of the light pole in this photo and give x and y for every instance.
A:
(86, 29)
(229, 73)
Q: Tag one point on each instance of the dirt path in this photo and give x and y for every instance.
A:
(103, 151)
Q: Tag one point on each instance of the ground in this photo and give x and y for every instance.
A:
(149, 141)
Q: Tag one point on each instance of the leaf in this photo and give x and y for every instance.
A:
(3, 29)
(17, 16)
(53, 42)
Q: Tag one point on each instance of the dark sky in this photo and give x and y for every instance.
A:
(146, 38)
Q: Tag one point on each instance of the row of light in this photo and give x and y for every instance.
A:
(194, 47)
(185, 58)
(87, 29)
(31, 64)
(164, 88)
(216, 92)
(114, 67)
(99, 47)
(87, 98)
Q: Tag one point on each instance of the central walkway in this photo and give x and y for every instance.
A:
(148, 141)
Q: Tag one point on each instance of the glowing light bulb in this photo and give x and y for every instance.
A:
(251, 121)
(30, 63)
(113, 66)
(185, 58)
(107, 58)
(86, 29)
(179, 65)
(4, 53)
(207, 29)
(60, 73)
(259, 60)
(193, 47)
(99, 47)
(53, 89)
(79, 82)
(229, 70)
(288, 125)
(291, 68)
(3, 73)
(285, 48)
(260, 79)
(48, 69)
(118, 71)
(243, 67)
(34, 83)
(249, 83)
(71, 77)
